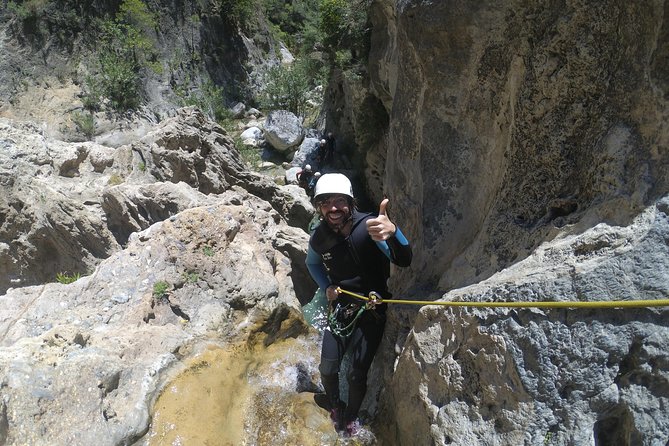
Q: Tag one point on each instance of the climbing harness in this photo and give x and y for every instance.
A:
(343, 317)
(376, 299)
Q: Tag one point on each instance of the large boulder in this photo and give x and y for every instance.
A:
(307, 153)
(283, 130)
(252, 136)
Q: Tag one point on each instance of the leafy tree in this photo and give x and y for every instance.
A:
(344, 27)
(295, 22)
(236, 12)
(287, 88)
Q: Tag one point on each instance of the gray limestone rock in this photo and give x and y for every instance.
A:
(283, 130)
(536, 376)
(95, 353)
(66, 206)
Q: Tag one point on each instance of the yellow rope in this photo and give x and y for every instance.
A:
(602, 304)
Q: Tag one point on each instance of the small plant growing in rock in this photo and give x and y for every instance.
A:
(208, 251)
(65, 278)
(115, 180)
(85, 123)
(142, 166)
(160, 290)
(191, 277)
(250, 154)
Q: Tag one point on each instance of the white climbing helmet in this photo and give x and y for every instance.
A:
(333, 183)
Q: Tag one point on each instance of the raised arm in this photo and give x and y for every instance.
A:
(389, 238)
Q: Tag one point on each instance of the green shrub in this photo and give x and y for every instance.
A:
(160, 289)
(250, 154)
(333, 17)
(191, 277)
(209, 98)
(294, 23)
(136, 12)
(27, 9)
(120, 80)
(344, 26)
(65, 278)
(287, 88)
(208, 251)
(237, 12)
(91, 94)
(84, 123)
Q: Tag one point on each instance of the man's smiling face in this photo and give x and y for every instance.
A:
(335, 210)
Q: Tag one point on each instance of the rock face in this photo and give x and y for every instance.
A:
(559, 376)
(96, 352)
(509, 122)
(49, 50)
(195, 256)
(66, 206)
(526, 156)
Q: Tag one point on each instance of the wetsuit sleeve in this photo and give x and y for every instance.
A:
(317, 269)
(397, 248)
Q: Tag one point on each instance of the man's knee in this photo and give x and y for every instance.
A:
(357, 378)
(328, 367)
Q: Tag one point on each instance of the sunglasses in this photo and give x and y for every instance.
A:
(338, 202)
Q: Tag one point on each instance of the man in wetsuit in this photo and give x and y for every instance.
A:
(352, 250)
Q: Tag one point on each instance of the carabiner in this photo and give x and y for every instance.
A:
(374, 299)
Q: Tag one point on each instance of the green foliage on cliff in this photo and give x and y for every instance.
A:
(136, 13)
(209, 98)
(343, 24)
(116, 44)
(295, 23)
(236, 12)
(125, 50)
(27, 9)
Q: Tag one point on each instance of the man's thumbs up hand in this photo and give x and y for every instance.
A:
(382, 207)
(381, 228)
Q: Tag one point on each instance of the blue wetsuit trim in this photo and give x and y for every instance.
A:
(383, 245)
(317, 269)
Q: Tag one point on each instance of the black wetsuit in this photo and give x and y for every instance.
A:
(359, 264)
